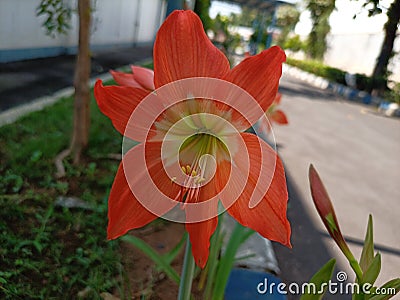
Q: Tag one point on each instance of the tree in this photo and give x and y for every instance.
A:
(80, 135)
(287, 18)
(380, 73)
(201, 8)
(57, 21)
(320, 12)
(246, 18)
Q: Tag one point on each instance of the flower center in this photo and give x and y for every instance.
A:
(192, 146)
(198, 157)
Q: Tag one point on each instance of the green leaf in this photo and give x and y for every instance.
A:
(320, 281)
(388, 290)
(160, 261)
(367, 254)
(373, 271)
(238, 236)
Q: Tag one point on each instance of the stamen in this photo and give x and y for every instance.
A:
(203, 150)
(188, 169)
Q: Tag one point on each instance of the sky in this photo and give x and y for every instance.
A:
(341, 20)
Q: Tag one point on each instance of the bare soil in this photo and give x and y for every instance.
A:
(143, 280)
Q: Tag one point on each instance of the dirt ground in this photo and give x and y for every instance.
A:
(143, 280)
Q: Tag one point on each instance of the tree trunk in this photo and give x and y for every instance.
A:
(80, 135)
(379, 75)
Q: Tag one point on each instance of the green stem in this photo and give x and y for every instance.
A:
(353, 262)
(356, 268)
(185, 285)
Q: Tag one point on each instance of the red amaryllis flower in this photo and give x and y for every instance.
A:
(326, 211)
(275, 115)
(139, 78)
(193, 151)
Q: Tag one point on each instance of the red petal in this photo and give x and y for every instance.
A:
(183, 50)
(268, 217)
(118, 102)
(206, 208)
(142, 190)
(124, 211)
(279, 117)
(125, 79)
(144, 76)
(259, 75)
(200, 234)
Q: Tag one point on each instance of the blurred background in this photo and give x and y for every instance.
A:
(59, 155)
(350, 35)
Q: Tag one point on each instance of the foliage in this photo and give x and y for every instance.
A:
(163, 262)
(317, 68)
(227, 41)
(380, 74)
(363, 82)
(294, 44)
(201, 8)
(49, 251)
(394, 93)
(386, 53)
(287, 18)
(373, 6)
(225, 263)
(320, 11)
(57, 16)
(246, 18)
(322, 276)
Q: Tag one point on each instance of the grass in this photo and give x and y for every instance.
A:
(48, 251)
(318, 68)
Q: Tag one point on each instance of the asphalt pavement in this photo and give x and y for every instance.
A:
(356, 152)
(24, 81)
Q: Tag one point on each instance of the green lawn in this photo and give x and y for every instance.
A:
(48, 251)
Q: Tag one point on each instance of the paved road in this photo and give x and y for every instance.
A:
(24, 81)
(357, 154)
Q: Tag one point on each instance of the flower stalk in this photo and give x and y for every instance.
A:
(328, 216)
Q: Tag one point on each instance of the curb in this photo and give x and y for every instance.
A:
(344, 91)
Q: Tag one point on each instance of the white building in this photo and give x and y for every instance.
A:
(114, 23)
(354, 44)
